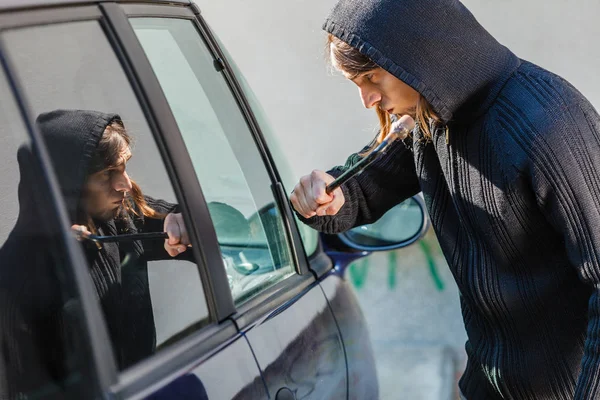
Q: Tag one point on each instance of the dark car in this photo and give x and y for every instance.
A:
(258, 309)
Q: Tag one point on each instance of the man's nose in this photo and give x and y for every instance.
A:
(369, 97)
(122, 183)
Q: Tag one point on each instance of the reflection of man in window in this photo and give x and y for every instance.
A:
(109, 194)
(103, 200)
(89, 151)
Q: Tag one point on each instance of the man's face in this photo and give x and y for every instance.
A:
(105, 190)
(380, 88)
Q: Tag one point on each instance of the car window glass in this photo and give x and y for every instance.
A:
(75, 85)
(227, 162)
(42, 345)
(310, 237)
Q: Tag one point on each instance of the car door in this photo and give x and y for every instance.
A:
(328, 263)
(280, 307)
(86, 57)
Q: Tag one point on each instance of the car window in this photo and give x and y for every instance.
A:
(114, 183)
(42, 345)
(227, 162)
(310, 237)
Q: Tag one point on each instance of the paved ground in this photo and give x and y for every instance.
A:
(411, 305)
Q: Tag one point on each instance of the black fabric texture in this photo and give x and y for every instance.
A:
(37, 348)
(71, 138)
(512, 196)
(35, 342)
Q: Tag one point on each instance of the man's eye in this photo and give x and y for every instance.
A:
(369, 77)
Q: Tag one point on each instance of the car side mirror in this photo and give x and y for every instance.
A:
(402, 225)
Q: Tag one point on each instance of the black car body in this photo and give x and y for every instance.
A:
(279, 321)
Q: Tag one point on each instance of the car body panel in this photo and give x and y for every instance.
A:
(231, 373)
(299, 347)
(362, 376)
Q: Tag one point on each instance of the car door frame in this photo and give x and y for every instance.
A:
(272, 298)
(279, 297)
(282, 295)
(276, 299)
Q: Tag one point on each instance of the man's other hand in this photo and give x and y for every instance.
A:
(178, 240)
(81, 231)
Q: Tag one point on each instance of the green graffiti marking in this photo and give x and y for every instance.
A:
(439, 284)
(392, 265)
(358, 270)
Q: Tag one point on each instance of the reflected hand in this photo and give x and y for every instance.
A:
(309, 197)
(178, 240)
(81, 231)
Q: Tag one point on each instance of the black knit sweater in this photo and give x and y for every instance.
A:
(513, 195)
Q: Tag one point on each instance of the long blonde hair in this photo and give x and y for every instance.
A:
(353, 63)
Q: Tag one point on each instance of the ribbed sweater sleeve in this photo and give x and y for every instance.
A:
(565, 174)
(383, 184)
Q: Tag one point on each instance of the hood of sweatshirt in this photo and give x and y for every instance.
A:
(71, 138)
(435, 46)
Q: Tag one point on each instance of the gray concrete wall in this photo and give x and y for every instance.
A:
(318, 117)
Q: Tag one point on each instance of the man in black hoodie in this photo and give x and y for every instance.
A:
(507, 156)
(89, 151)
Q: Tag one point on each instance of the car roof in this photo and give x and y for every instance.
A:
(26, 4)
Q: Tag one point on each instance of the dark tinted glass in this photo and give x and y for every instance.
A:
(43, 347)
(149, 298)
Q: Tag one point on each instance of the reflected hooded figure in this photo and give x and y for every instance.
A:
(89, 151)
